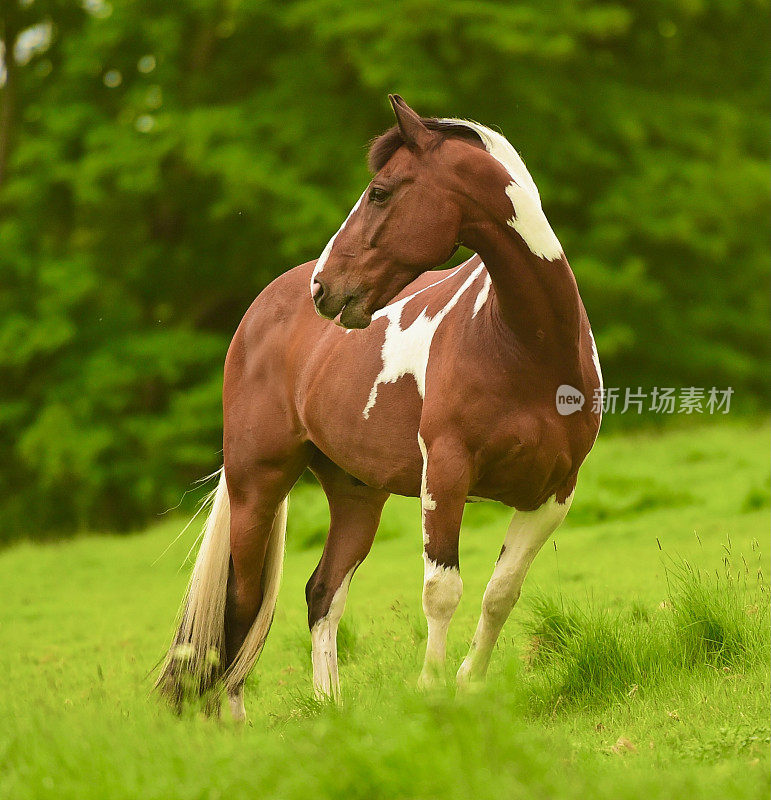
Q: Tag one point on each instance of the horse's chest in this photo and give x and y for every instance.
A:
(520, 448)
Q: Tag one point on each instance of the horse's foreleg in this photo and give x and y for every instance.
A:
(444, 488)
(526, 535)
(354, 518)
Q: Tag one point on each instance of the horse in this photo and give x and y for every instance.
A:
(384, 375)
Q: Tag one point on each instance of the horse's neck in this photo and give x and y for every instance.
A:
(536, 299)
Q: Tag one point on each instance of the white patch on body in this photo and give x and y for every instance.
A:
(405, 351)
(528, 221)
(526, 535)
(596, 360)
(326, 682)
(328, 249)
(442, 590)
(598, 369)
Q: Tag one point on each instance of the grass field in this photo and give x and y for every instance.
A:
(626, 671)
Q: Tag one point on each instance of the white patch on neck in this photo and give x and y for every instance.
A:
(528, 220)
(405, 351)
(482, 296)
(531, 224)
(328, 249)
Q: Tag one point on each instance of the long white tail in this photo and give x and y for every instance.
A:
(194, 662)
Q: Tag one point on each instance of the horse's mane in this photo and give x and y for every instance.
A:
(384, 146)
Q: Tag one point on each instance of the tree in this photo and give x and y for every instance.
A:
(163, 162)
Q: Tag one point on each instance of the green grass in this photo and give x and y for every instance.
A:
(586, 654)
(626, 671)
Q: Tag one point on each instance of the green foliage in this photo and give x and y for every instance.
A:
(164, 161)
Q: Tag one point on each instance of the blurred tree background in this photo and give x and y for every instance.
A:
(161, 162)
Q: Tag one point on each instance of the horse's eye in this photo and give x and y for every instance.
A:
(378, 195)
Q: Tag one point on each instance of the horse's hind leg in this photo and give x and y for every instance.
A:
(257, 490)
(354, 517)
(526, 535)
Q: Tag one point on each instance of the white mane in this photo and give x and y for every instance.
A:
(528, 220)
(501, 149)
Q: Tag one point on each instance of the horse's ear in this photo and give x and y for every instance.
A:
(415, 134)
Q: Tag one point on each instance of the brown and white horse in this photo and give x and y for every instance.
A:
(439, 384)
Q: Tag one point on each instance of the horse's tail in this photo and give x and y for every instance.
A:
(195, 662)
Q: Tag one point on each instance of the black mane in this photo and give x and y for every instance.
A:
(385, 145)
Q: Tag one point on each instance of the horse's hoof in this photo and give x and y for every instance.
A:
(465, 680)
(427, 681)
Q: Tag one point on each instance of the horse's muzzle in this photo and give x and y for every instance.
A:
(345, 310)
(353, 316)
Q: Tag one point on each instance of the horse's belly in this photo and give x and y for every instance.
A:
(379, 448)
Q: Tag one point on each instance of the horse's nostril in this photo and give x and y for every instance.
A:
(318, 290)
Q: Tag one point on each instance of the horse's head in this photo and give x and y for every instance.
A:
(407, 221)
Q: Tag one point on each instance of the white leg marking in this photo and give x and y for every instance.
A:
(442, 590)
(427, 502)
(326, 682)
(526, 534)
(405, 351)
(328, 249)
(236, 703)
